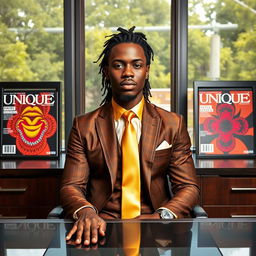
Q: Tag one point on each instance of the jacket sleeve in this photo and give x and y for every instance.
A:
(75, 175)
(182, 174)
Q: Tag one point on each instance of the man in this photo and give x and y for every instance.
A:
(100, 166)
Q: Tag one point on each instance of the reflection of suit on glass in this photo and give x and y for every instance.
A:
(92, 161)
(155, 238)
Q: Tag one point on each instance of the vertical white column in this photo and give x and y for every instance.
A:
(214, 73)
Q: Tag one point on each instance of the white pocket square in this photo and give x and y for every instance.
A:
(164, 145)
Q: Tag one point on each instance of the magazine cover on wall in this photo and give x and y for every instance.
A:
(224, 119)
(29, 119)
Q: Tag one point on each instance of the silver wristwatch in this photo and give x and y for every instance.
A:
(165, 214)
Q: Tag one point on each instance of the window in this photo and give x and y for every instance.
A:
(221, 43)
(31, 41)
(103, 17)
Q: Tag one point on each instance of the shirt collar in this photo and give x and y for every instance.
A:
(137, 109)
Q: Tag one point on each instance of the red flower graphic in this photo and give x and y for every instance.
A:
(225, 125)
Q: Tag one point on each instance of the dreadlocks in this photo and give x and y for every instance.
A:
(125, 36)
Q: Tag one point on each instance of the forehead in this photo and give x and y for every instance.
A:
(127, 51)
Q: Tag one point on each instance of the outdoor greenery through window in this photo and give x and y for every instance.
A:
(103, 17)
(31, 41)
(221, 43)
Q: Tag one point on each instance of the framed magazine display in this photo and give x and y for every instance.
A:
(29, 120)
(224, 119)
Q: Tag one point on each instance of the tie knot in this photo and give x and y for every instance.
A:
(128, 115)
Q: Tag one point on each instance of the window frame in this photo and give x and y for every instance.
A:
(179, 56)
(74, 59)
(74, 62)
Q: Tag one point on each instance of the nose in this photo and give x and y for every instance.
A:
(128, 72)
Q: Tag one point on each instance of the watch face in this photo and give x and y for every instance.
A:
(166, 214)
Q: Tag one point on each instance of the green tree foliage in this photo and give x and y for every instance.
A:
(126, 13)
(94, 40)
(198, 55)
(245, 57)
(13, 58)
(198, 45)
(27, 51)
(238, 46)
(13, 63)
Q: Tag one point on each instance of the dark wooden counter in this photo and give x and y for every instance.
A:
(228, 187)
(30, 188)
(225, 167)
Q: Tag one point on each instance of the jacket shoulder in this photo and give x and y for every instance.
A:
(88, 119)
(166, 116)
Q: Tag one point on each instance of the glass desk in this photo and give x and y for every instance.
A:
(196, 237)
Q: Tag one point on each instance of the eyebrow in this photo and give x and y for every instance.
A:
(120, 60)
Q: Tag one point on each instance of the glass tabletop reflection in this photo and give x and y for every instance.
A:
(228, 237)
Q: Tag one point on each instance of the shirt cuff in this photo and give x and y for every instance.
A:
(85, 206)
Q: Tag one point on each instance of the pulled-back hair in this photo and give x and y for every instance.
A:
(125, 36)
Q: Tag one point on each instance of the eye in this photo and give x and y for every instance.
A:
(118, 65)
(137, 65)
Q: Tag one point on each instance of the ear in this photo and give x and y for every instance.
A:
(147, 71)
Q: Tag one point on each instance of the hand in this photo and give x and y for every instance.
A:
(154, 215)
(101, 242)
(88, 226)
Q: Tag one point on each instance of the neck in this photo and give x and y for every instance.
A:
(128, 102)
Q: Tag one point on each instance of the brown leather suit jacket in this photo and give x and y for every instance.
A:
(92, 161)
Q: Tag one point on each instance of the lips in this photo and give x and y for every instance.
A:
(127, 82)
(127, 85)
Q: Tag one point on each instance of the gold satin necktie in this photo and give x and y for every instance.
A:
(130, 170)
(131, 238)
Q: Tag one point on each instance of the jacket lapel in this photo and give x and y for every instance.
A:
(151, 125)
(107, 135)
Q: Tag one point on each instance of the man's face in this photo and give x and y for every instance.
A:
(127, 71)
